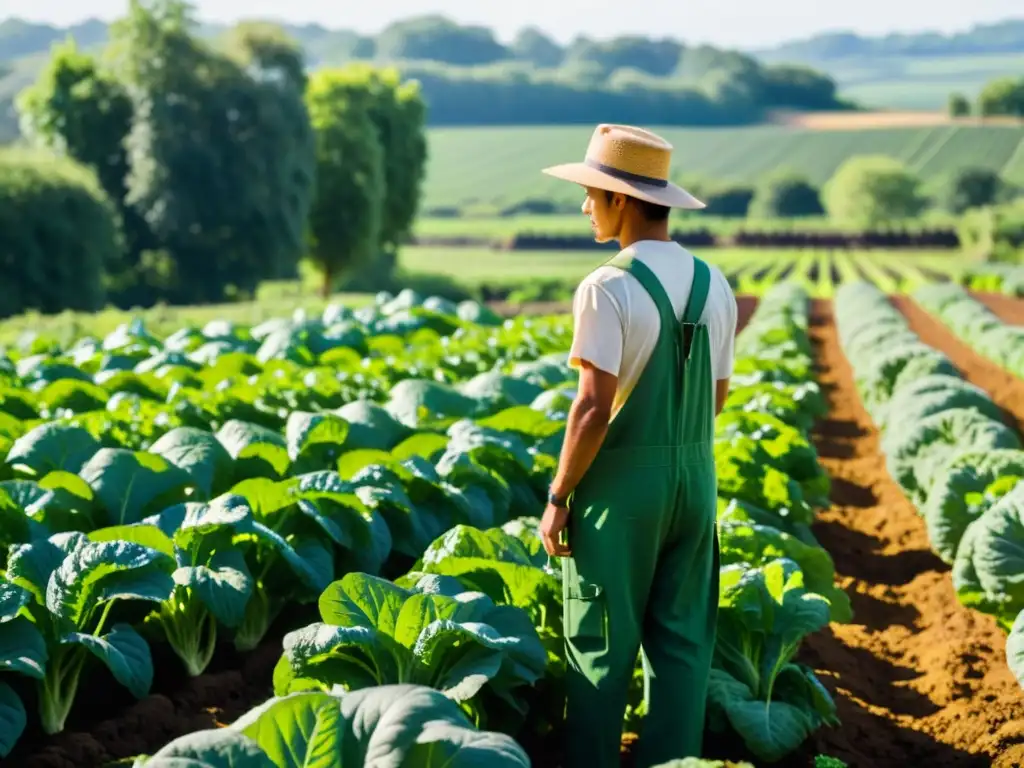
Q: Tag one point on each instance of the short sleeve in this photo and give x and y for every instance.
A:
(724, 359)
(597, 332)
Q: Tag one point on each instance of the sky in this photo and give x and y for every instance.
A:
(738, 23)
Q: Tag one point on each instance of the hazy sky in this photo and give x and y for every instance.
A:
(730, 22)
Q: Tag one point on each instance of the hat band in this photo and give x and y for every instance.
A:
(636, 178)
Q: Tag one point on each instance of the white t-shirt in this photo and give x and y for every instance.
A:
(617, 321)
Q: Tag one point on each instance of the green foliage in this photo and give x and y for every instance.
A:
(728, 201)
(995, 233)
(400, 724)
(59, 234)
(397, 112)
(1004, 96)
(345, 220)
(786, 195)
(470, 77)
(873, 190)
(172, 127)
(974, 188)
(959, 105)
(215, 212)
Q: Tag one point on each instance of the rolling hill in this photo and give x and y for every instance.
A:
(910, 71)
(500, 167)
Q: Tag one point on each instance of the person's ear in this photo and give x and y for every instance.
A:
(619, 201)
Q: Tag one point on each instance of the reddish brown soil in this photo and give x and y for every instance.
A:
(106, 724)
(1005, 389)
(745, 306)
(1006, 308)
(918, 679)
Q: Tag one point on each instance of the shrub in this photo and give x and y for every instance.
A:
(60, 234)
(786, 195)
(871, 190)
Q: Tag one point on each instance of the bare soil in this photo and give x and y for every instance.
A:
(845, 121)
(918, 678)
(1005, 389)
(1007, 308)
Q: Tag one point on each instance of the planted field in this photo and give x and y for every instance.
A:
(501, 166)
(340, 499)
(750, 270)
(207, 534)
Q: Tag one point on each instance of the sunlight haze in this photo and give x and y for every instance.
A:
(746, 23)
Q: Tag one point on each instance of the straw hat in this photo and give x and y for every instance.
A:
(630, 160)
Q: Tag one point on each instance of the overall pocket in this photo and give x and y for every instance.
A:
(586, 611)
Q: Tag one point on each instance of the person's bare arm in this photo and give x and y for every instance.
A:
(721, 393)
(586, 427)
(585, 430)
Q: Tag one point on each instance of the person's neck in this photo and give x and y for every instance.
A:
(634, 232)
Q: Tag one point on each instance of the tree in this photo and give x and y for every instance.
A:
(436, 38)
(532, 45)
(785, 195)
(728, 200)
(345, 220)
(974, 188)
(79, 110)
(871, 190)
(995, 233)
(59, 233)
(398, 114)
(1002, 97)
(959, 106)
(219, 166)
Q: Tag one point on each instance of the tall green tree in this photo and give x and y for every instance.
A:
(1003, 97)
(77, 108)
(347, 214)
(398, 113)
(59, 234)
(221, 165)
(871, 190)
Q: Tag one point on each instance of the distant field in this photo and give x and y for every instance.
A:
(501, 166)
(473, 266)
(925, 82)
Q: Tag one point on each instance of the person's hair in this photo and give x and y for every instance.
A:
(650, 211)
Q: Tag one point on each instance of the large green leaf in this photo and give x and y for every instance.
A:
(220, 748)
(13, 719)
(315, 440)
(255, 449)
(125, 653)
(133, 484)
(201, 455)
(97, 572)
(22, 648)
(51, 446)
(224, 585)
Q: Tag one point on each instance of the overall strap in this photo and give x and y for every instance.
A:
(650, 283)
(698, 292)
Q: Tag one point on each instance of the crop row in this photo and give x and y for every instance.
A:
(947, 446)
(375, 632)
(184, 491)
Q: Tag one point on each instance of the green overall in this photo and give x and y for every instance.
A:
(644, 564)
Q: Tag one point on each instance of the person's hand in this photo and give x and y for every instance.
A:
(551, 526)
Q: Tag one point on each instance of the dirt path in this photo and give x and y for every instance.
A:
(1005, 389)
(1007, 308)
(919, 679)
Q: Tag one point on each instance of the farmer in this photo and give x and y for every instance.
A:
(633, 502)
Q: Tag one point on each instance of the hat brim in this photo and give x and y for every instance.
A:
(672, 196)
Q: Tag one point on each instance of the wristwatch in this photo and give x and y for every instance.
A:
(562, 502)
